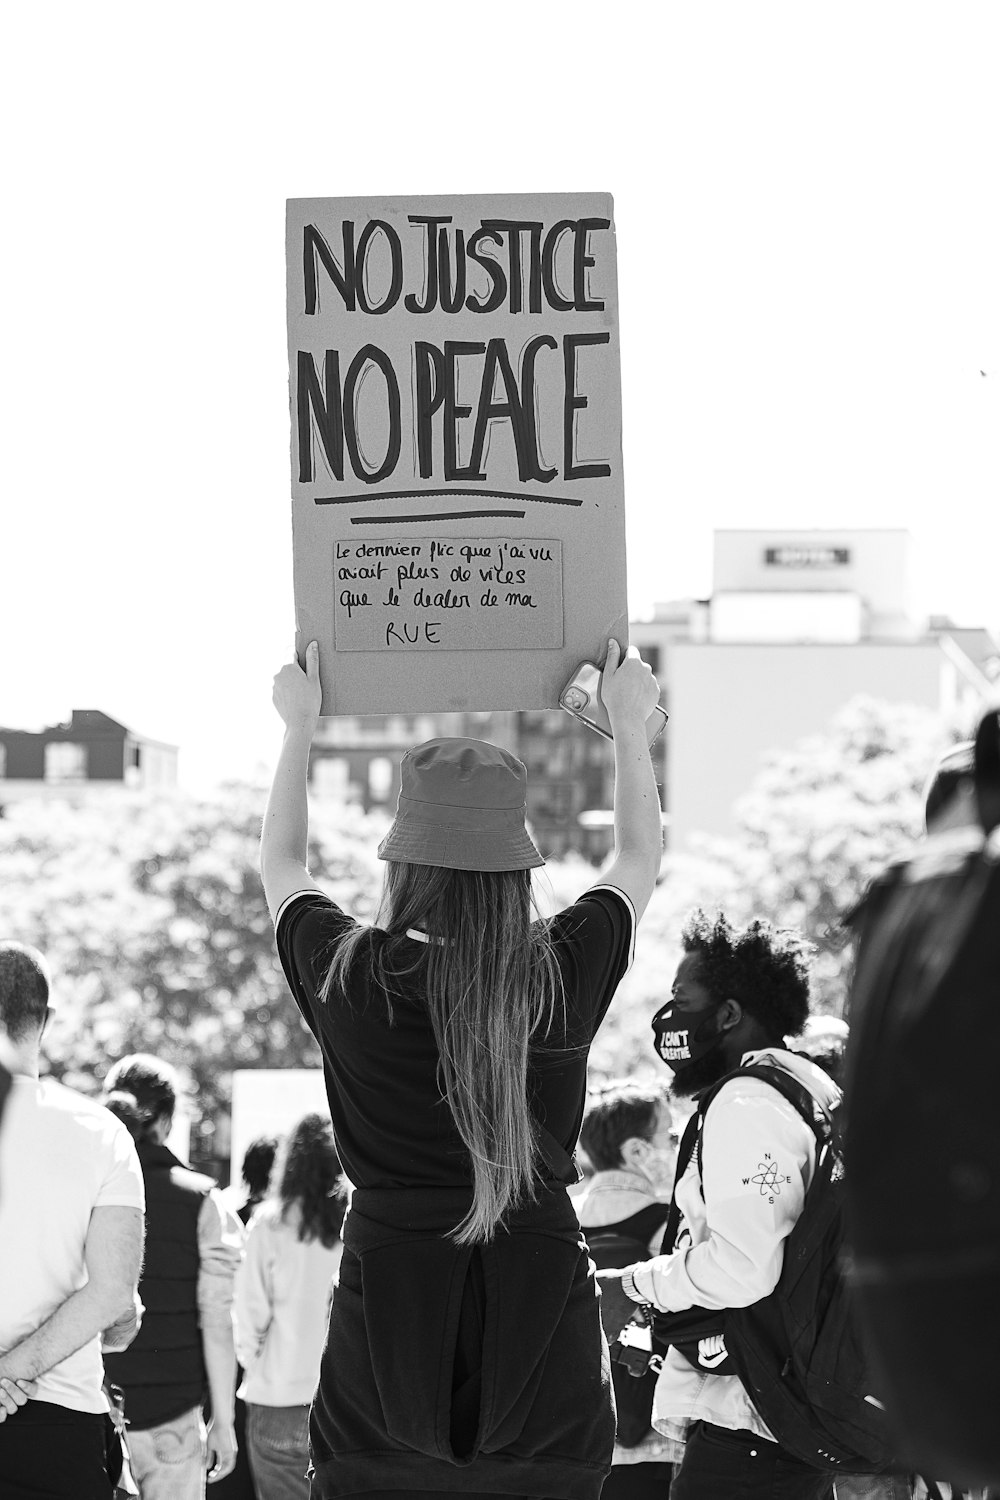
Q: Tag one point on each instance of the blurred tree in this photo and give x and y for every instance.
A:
(152, 916)
(823, 818)
(819, 822)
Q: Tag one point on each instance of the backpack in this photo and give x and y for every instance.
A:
(612, 1247)
(799, 1351)
(923, 1136)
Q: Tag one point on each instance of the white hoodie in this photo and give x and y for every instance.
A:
(758, 1156)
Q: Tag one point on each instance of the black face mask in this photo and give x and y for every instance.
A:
(683, 1037)
(693, 1051)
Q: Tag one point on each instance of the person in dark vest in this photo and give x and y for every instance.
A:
(628, 1134)
(184, 1351)
(465, 1354)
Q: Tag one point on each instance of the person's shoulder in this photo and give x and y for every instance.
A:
(602, 919)
(309, 903)
(756, 1088)
(183, 1176)
(608, 1198)
(741, 1088)
(79, 1129)
(51, 1094)
(601, 905)
(308, 924)
(266, 1218)
(58, 1100)
(803, 1070)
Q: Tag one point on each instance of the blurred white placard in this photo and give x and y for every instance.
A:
(829, 616)
(269, 1101)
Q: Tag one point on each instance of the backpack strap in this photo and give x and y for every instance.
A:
(816, 1116)
(685, 1151)
(798, 1096)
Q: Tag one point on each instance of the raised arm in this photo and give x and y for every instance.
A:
(630, 693)
(284, 838)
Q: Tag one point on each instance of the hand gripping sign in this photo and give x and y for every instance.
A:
(457, 495)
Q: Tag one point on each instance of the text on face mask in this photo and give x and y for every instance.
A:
(674, 1044)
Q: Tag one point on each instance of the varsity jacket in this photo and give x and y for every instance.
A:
(757, 1160)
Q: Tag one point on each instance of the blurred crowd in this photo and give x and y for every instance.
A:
(213, 1355)
(168, 1334)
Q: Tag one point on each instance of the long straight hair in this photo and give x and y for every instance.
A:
(492, 984)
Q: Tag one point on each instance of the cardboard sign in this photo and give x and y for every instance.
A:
(457, 496)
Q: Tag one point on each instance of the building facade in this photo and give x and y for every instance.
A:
(92, 748)
(797, 624)
(569, 768)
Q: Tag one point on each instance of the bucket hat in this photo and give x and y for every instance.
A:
(461, 806)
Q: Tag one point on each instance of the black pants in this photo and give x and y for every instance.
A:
(48, 1452)
(637, 1482)
(723, 1465)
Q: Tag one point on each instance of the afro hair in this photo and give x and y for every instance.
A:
(763, 967)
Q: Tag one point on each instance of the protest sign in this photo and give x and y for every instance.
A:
(457, 496)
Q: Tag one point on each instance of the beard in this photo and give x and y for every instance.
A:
(701, 1072)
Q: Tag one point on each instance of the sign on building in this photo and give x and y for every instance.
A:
(457, 494)
(798, 556)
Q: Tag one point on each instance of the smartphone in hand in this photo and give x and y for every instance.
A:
(581, 697)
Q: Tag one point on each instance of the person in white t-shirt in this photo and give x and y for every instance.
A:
(71, 1231)
(283, 1292)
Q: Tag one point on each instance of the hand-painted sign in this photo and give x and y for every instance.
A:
(457, 496)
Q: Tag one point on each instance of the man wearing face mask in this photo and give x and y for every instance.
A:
(735, 998)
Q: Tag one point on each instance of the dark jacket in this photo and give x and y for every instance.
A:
(163, 1371)
(487, 1362)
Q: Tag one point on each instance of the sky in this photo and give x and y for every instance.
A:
(808, 240)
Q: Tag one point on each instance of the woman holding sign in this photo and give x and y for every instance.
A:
(465, 1353)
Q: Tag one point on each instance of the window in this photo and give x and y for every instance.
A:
(329, 777)
(65, 761)
(380, 778)
(133, 765)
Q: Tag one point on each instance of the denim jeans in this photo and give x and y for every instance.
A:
(722, 1465)
(169, 1460)
(278, 1440)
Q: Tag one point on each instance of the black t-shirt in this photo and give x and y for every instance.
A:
(392, 1127)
